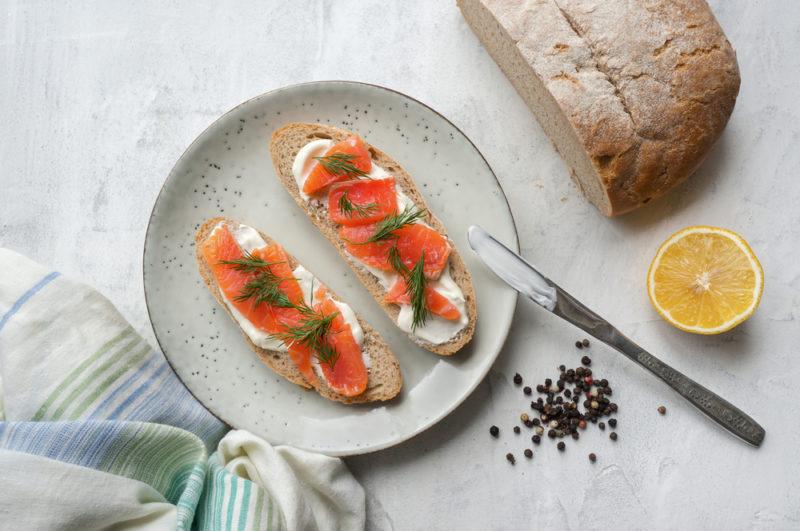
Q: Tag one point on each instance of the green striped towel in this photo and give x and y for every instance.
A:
(99, 432)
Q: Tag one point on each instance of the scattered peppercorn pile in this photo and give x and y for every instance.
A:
(558, 412)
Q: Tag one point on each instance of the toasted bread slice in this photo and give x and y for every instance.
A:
(287, 141)
(384, 381)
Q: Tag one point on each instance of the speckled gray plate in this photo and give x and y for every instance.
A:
(227, 171)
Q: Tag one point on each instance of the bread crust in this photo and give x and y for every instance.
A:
(642, 89)
(284, 146)
(385, 378)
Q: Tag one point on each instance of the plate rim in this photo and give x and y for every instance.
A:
(433, 420)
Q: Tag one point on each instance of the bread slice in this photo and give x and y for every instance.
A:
(385, 379)
(633, 94)
(287, 141)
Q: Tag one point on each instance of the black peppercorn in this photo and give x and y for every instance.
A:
(516, 429)
(612, 423)
(527, 390)
(536, 439)
(662, 410)
(551, 433)
(579, 344)
(586, 360)
(494, 430)
(601, 425)
(585, 342)
(613, 435)
(517, 379)
(528, 453)
(561, 446)
(592, 457)
(510, 458)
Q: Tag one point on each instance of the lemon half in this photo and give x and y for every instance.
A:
(705, 280)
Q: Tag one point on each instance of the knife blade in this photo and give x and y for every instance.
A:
(526, 279)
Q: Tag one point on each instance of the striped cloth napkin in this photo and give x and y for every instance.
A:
(97, 432)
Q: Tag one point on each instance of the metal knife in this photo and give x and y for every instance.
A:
(524, 278)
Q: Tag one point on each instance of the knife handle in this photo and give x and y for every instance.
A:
(714, 406)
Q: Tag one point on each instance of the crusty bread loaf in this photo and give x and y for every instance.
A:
(385, 379)
(632, 93)
(287, 141)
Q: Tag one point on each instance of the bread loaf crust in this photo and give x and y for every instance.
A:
(284, 146)
(385, 379)
(643, 89)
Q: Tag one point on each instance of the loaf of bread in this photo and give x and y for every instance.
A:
(632, 93)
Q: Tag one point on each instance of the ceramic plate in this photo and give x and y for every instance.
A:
(228, 171)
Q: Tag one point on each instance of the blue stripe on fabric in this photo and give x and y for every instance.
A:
(26, 296)
(117, 413)
(124, 385)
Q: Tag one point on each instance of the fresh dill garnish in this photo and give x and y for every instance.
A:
(264, 287)
(348, 208)
(312, 334)
(341, 164)
(415, 285)
(389, 224)
(249, 263)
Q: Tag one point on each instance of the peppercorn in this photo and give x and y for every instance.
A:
(585, 343)
(539, 430)
(592, 457)
(527, 390)
(561, 446)
(548, 382)
(517, 379)
(613, 435)
(536, 439)
(562, 368)
(662, 410)
(579, 344)
(528, 453)
(510, 458)
(612, 423)
(551, 433)
(576, 435)
(582, 424)
(516, 429)
(529, 423)
(540, 388)
(494, 430)
(613, 407)
(586, 360)
(567, 393)
(524, 417)
(601, 425)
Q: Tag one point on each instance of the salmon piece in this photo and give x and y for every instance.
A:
(377, 199)
(411, 240)
(348, 377)
(222, 246)
(320, 177)
(437, 303)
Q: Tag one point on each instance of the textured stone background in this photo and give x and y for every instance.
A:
(99, 98)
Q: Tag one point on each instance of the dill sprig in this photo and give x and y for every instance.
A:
(340, 164)
(264, 287)
(389, 224)
(348, 208)
(415, 285)
(312, 334)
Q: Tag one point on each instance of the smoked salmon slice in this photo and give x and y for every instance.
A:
(437, 303)
(369, 201)
(411, 241)
(348, 376)
(351, 152)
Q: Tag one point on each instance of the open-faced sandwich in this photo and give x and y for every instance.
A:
(298, 327)
(368, 206)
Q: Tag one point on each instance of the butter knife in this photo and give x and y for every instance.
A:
(524, 278)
